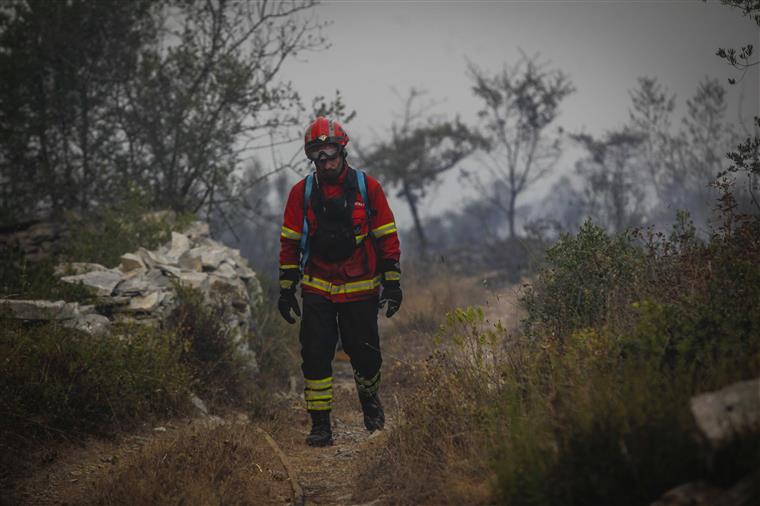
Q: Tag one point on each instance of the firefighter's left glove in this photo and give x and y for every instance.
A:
(288, 280)
(391, 279)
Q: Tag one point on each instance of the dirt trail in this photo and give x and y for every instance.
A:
(328, 475)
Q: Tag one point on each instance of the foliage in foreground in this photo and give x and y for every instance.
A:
(61, 382)
(589, 404)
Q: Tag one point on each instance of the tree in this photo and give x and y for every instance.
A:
(208, 99)
(62, 63)
(745, 159)
(520, 103)
(172, 97)
(681, 163)
(613, 194)
(741, 59)
(420, 149)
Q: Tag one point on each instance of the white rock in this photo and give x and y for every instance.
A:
(143, 283)
(170, 270)
(197, 230)
(191, 260)
(76, 268)
(40, 309)
(726, 413)
(225, 288)
(145, 303)
(225, 270)
(193, 279)
(198, 403)
(211, 258)
(245, 272)
(102, 281)
(93, 324)
(180, 244)
(130, 262)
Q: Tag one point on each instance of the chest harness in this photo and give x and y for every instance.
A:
(335, 237)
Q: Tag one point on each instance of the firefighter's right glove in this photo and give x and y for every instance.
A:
(288, 280)
(391, 294)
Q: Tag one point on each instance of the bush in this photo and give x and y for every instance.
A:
(581, 280)
(221, 374)
(22, 279)
(275, 342)
(110, 231)
(61, 382)
(590, 405)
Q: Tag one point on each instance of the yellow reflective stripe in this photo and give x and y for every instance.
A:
(316, 283)
(318, 406)
(314, 397)
(286, 283)
(354, 286)
(359, 238)
(317, 384)
(392, 276)
(288, 233)
(386, 229)
(289, 266)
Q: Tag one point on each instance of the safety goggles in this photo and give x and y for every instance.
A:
(323, 152)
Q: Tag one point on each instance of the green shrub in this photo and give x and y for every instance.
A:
(581, 280)
(23, 279)
(221, 374)
(274, 341)
(590, 405)
(60, 381)
(614, 391)
(109, 231)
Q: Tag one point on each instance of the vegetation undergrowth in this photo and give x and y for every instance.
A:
(61, 383)
(108, 232)
(589, 402)
(227, 464)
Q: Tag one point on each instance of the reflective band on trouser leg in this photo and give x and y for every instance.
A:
(318, 394)
(367, 386)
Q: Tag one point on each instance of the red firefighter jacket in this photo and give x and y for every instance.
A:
(355, 278)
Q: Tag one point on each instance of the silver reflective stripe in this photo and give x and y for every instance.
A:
(331, 129)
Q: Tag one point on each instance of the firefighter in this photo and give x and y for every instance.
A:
(339, 240)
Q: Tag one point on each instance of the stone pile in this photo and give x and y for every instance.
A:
(142, 289)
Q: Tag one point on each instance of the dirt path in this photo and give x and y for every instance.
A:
(328, 475)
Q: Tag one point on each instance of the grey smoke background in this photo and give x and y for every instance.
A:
(380, 49)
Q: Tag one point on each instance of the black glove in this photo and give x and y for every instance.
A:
(287, 301)
(392, 296)
(391, 279)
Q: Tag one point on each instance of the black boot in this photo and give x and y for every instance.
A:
(321, 432)
(374, 417)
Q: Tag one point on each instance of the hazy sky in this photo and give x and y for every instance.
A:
(604, 46)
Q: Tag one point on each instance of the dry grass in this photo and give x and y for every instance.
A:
(442, 448)
(226, 464)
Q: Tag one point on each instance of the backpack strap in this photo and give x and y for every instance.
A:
(362, 182)
(304, 244)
